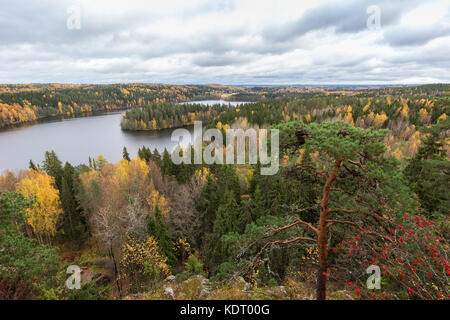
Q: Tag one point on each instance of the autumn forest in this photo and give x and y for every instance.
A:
(363, 182)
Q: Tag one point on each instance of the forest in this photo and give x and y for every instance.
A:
(159, 116)
(21, 104)
(363, 185)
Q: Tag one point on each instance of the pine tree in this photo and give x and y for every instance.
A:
(356, 180)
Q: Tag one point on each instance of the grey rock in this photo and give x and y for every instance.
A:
(204, 293)
(170, 278)
(168, 293)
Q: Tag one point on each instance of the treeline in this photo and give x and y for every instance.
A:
(403, 113)
(156, 116)
(360, 108)
(24, 103)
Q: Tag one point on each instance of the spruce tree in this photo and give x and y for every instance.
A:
(72, 220)
(32, 165)
(53, 166)
(227, 220)
(126, 155)
(157, 227)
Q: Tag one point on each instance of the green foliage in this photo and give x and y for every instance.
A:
(12, 211)
(367, 176)
(193, 265)
(73, 225)
(48, 294)
(157, 227)
(30, 102)
(429, 172)
(53, 166)
(22, 259)
(156, 116)
(90, 291)
(126, 155)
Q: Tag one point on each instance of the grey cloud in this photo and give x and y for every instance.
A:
(36, 46)
(415, 35)
(207, 60)
(343, 16)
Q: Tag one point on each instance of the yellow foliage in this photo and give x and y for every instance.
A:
(44, 215)
(366, 107)
(442, 117)
(308, 118)
(201, 175)
(424, 117)
(379, 120)
(349, 118)
(136, 254)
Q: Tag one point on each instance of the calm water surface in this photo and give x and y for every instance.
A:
(75, 140)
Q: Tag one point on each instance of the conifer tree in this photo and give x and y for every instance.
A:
(32, 165)
(53, 166)
(72, 221)
(126, 155)
(157, 227)
(429, 171)
(227, 220)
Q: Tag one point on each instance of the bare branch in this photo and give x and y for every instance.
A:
(296, 222)
(281, 242)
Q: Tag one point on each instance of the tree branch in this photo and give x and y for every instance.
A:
(317, 172)
(297, 221)
(341, 210)
(340, 190)
(356, 163)
(354, 224)
(282, 242)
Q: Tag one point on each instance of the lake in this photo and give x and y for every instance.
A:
(77, 139)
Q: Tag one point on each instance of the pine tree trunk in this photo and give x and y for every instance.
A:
(322, 240)
(323, 260)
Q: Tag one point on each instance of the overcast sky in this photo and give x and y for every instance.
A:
(225, 41)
